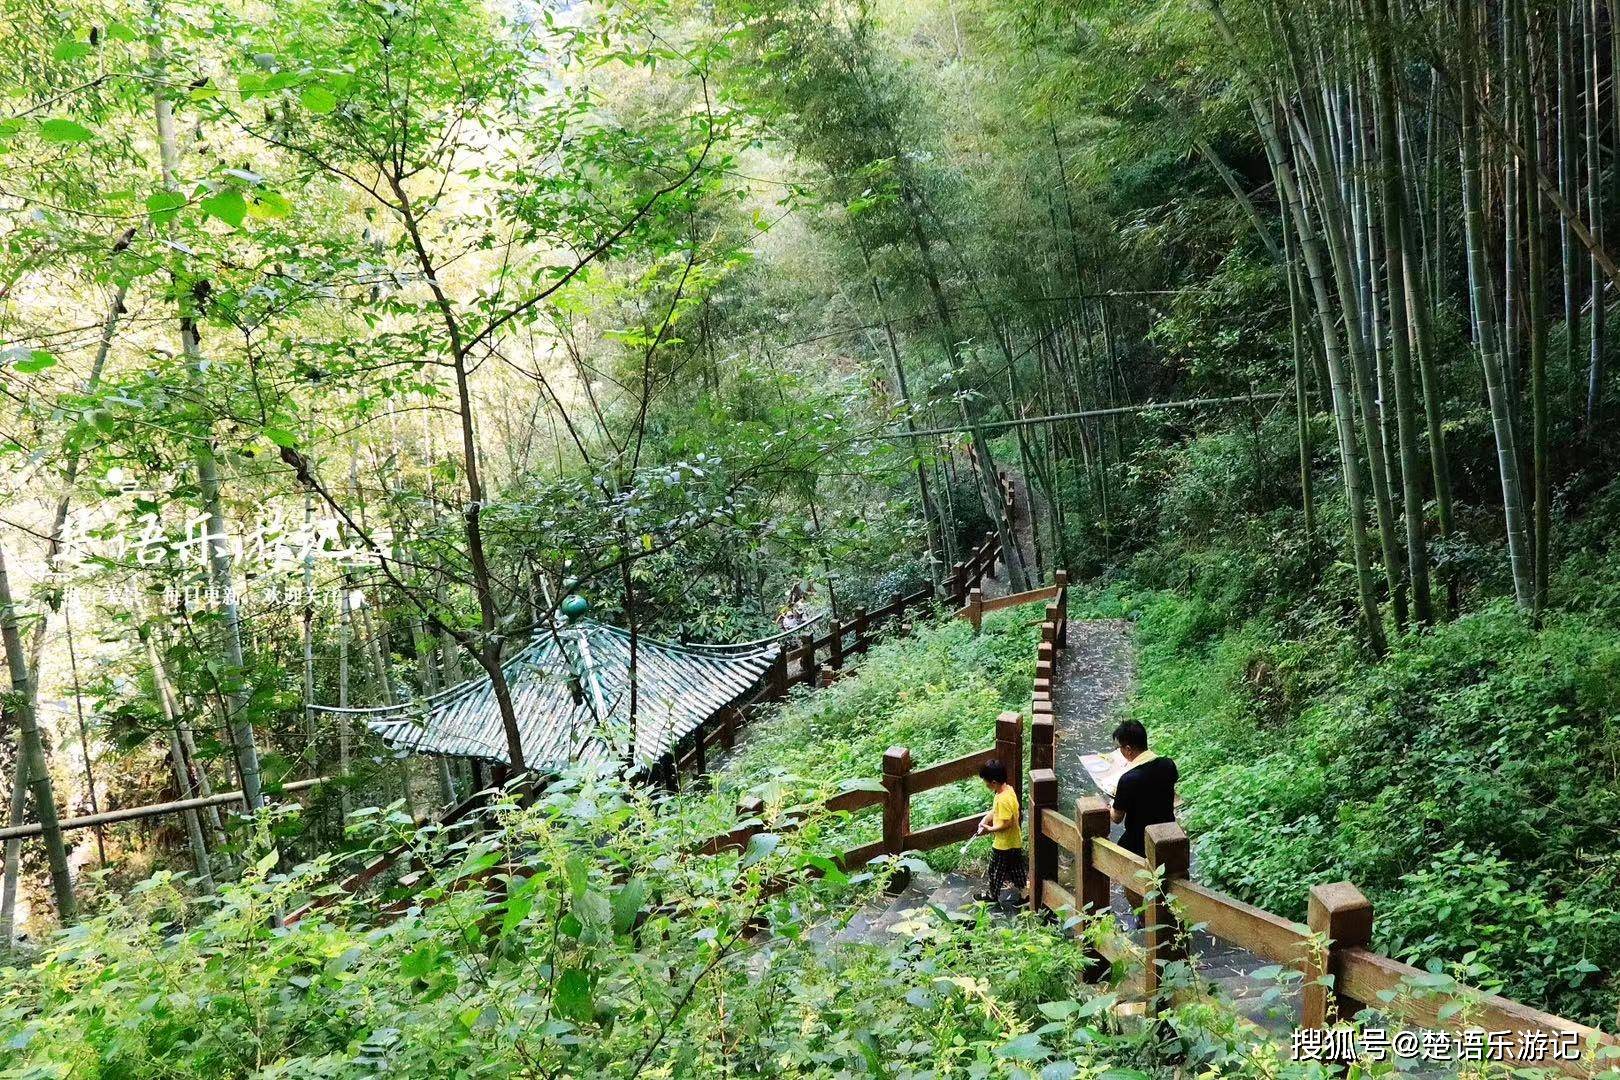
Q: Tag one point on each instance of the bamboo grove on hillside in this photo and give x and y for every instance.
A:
(1442, 172)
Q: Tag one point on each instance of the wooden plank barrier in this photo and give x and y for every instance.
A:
(949, 772)
(1335, 941)
(899, 783)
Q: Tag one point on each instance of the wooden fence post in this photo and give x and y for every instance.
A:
(896, 801)
(835, 646)
(778, 675)
(975, 608)
(807, 645)
(700, 750)
(1093, 892)
(728, 726)
(1010, 746)
(1345, 916)
(1167, 849)
(1060, 578)
(859, 645)
(1042, 740)
(1043, 850)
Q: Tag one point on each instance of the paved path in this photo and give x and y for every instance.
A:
(1095, 676)
(875, 921)
(1094, 680)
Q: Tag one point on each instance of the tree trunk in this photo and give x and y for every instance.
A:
(1302, 421)
(17, 806)
(216, 546)
(1520, 559)
(1343, 408)
(1594, 213)
(31, 751)
(931, 523)
(180, 765)
(1527, 32)
(1395, 225)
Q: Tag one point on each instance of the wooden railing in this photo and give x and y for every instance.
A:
(967, 575)
(1334, 941)
(814, 661)
(977, 607)
(900, 782)
(853, 636)
(387, 860)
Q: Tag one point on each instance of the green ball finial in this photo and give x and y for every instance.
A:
(575, 606)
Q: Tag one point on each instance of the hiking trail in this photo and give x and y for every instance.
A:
(1095, 676)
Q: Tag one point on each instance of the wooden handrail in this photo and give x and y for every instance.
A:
(853, 801)
(1117, 863)
(943, 834)
(1054, 826)
(1361, 977)
(1366, 975)
(857, 857)
(1045, 592)
(1270, 937)
(948, 772)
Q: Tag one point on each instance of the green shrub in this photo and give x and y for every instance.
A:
(602, 945)
(1470, 783)
(937, 692)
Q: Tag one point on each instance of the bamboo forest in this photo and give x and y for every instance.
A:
(809, 538)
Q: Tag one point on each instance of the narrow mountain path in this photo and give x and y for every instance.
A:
(1095, 677)
(1094, 680)
(1023, 530)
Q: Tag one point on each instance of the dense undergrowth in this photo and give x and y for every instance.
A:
(584, 936)
(602, 947)
(1467, 781)
(937, 693)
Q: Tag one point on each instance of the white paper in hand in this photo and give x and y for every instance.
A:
(1105, 770)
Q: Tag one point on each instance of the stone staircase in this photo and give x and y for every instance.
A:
(875, 922)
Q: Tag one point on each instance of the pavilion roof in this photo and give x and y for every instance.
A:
(570, 689)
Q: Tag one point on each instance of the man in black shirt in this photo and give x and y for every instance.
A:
(1146, 794)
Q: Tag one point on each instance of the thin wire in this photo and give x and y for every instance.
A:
(928, 316)
(1084, 414)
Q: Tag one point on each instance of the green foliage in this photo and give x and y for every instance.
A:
(1467, 783)
(580, 937)
(937, 693)
(1231, 333)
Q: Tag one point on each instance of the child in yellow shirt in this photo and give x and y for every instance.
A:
(1007, 865)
